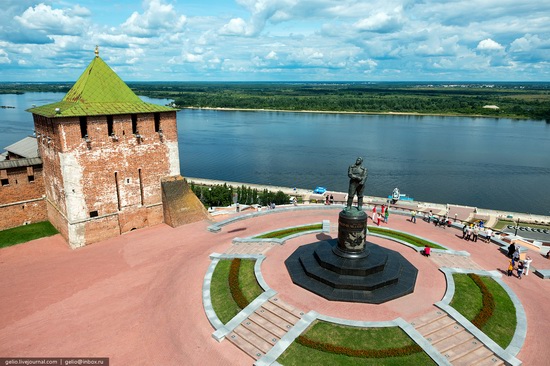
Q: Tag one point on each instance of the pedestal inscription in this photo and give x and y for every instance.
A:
(352, 234)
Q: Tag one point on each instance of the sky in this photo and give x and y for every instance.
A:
(278, 40)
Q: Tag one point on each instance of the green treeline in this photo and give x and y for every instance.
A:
(515, 100)
(222, 195)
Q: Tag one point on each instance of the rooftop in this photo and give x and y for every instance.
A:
(98, 91)
(26, 148)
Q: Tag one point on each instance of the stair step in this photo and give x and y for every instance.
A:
(281, 313)
(288, 308)
(244, 346)
(260, 331)
(462, 349)
(474, 357)
(428, 318)
(253, 339)
(434, 326)
(449, 342)
(266, 324)
(492, 360)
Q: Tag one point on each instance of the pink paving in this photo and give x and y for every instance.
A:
(138, 298)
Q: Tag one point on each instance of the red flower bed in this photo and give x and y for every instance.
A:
(488, 302)
(234, 283)
(363, 353)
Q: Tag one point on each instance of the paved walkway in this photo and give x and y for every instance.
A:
(138, 298)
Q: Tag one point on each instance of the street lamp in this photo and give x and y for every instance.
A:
(517, 227)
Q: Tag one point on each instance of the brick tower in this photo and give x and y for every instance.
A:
(104, 154)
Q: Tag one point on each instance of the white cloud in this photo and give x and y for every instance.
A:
(156, 18)
(4, 59)
(489, 45)
(272, 55)
(380, 22)
(54, 21)
(235, 27)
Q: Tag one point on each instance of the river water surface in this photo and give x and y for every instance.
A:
(501, 164)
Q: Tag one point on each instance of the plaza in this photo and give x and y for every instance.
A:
(138, 298)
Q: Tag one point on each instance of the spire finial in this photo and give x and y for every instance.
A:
(96, 51)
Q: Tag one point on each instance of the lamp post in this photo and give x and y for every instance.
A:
(517, 227)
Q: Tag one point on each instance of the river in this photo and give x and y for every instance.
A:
(501, 164)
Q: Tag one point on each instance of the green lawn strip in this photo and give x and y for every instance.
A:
(500, 324)
(467, 299)
(232, 292)
(501, 224)
(22, 234)
(279, 234)
(223, 303)
(373, 343)
(405, 237)
(247, 280)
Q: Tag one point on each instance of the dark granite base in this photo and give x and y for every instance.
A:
(381, 276)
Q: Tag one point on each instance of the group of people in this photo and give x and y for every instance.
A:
(383, 215)
(472, 231)
(521, 266)
(329, 200)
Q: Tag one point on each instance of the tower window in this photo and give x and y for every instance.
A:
(5, 182)
(134, 124)
(31, 178)
(83, 127)
(109, 125)
(157, 122)
(94, 214)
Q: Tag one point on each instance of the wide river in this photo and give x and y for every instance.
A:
(501, 164)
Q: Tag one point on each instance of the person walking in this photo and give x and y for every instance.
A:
(386, 215)
(476, 233)
(520, 269)
(469, 233)
(464, 230)
(430, 217)
(511, 250)
(413, 216)
(510, 268)
(526, 265)
(489, 234)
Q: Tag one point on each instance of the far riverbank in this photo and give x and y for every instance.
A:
(351, 112)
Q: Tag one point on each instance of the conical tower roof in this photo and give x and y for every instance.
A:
(98, 91)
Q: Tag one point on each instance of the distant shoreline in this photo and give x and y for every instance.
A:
(226, 109)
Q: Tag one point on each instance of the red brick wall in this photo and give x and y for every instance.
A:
(97, 162)
(20, 189)
(17, 215)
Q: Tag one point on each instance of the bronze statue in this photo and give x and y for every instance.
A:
(357, 178)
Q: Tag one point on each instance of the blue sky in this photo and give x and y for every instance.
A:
(278, 40)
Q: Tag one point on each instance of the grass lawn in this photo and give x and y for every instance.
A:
(222, 301)
(405, 237)
(247, 280)
(468, 299)
(503, 223)
(355, 338)
(22, 234)
(279, 234)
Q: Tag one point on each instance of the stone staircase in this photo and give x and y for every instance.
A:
(455, 261)
(258, 333)
(249, 247)
(454, 342)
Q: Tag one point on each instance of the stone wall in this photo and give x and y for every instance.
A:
(21, 196)
(114, 170)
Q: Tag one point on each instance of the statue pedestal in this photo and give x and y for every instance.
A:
(352, 234)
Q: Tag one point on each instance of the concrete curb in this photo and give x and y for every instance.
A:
(519, 335)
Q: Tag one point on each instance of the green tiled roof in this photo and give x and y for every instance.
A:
(98, 91)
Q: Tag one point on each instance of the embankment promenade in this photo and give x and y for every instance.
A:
(463, 213)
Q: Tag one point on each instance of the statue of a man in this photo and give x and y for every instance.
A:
(357, 178)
